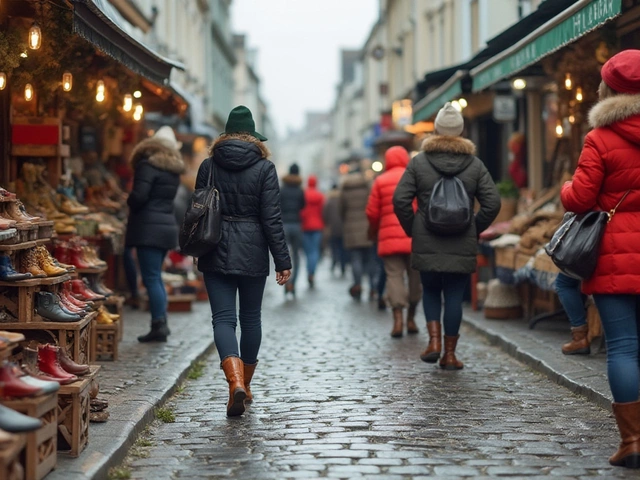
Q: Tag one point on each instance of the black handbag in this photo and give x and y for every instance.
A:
(202, 225)
(575, 247)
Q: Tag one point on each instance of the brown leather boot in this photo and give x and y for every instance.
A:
(234, 371)
(579, 344)
(248, 375)
(628, 420)
(411, 319)
(397, 323)
(432, 353)
(449, 360)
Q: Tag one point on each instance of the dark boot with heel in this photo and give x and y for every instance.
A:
(432, 353)
(249, 369)
(159, 332)
(412, 328)
(628, 420)
(449, 360)
(396, 332)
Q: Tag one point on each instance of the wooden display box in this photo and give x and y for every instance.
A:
(176, 303)
(115, 304)
(19, 297)
(73, 337)
(73, 414)
(41, 452)
(10, 455)
(505, 257)
(104, 342)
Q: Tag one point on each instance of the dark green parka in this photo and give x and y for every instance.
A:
(450, 156)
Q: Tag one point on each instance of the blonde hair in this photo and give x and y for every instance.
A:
(605, 91)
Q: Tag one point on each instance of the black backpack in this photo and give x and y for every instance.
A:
(449, 211)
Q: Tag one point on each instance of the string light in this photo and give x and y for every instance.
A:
(100, 91)
(559, 129)
(137, 112)
(137, 94)
(456, 104)
(3, 80)
(519, 84)
(572, 119)
(128, 102)
(35, 36)
(463, 102)
(568, 83)
(579, 96)
(28, 92)
(67, 81)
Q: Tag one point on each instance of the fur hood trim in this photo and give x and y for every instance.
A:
(448, 144)
(614, 109)
(290, 179)
(159, 153)
(244, 137)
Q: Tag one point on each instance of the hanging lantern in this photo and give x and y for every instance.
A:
(137, 94)
(28, 92)
(568, 83)
(579, 96)
(137, 112)
(3, 80)
(35, 37)
(100, 91)
(67, 81)
(128, 102)
(559, 129)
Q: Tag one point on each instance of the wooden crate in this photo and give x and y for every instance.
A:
(41, 453)
(18, 297)
(115, 304)
(73, 414)
(104, 341)
(505, 257)
(175, 303)
(10, 466)
(73, 337)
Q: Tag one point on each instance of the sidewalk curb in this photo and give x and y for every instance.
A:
(511, 347)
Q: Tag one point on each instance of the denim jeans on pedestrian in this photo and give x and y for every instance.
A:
(451, 286)
(222, 291)
(338, 254)
(130, 271)
(620, 324)
(312, 241)
(572, 300)
(293, 235)
(150, 260)
(362, 263)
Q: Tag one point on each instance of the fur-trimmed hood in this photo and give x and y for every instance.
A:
(158, 153)
(621, 113)
(243, 137)
(293, 180)
(449, 155)
(238, 151)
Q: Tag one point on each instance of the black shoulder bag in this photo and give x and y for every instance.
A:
(201, 228)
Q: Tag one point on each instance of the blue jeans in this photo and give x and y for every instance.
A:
(312, 245)
(293, 235)
(620, 324)
(338, 254)
(362, 262)
(451, 286)
(150, 260)
(572, 300)
(130, 271)
(222, 291)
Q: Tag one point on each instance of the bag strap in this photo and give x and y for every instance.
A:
(210, 182)
(612, 212)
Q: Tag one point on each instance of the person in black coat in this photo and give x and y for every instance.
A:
(251, 227)
(152, 228)
(292, 202)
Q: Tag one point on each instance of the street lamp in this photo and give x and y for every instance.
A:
(67, 81)
(35, 37)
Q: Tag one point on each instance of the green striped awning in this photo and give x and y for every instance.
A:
(429, 105)
(573, 23)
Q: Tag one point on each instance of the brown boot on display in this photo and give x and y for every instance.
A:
(16, 213)
(432, 353)
(628, 420)
(45, 262)
(234, 372)
(248, 375)
(412, 328)
(396, 332)
(30, 264)
(449, 360)
(579, 344)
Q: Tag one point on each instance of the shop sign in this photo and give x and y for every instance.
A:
(504, 108)
(582, 22)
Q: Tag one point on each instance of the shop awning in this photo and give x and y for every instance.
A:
(429, 105)
(98, 22)
(583, 17)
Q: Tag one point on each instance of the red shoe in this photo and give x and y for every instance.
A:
(69, 306)
(79, 288)
(49, 363)
(12, 387)
(76, 257)
(74, 301)
(61, 252)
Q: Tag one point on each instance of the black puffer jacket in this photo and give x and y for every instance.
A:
(291, 198)
(157, 168)
(250, 201)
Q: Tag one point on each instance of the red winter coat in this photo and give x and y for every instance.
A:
(391, 237)
(311, 214)
(608, 167)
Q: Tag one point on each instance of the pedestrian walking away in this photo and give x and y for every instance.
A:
(312, 227)
(292, 202)
(152, 227)
(334, 228)
(445, 262)
(252, 226)
(573, 302)
(394, 246)
(607, 172)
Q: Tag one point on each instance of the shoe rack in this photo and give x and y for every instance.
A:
(11, 453)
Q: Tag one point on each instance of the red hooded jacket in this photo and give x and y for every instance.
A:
(391, 237)
(609, 166)
(311, 214)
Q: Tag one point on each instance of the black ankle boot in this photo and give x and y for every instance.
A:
(159, 332)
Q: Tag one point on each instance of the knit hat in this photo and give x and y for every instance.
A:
(622, 72)
(241, 121)
(294, 169)
(167, 135)
(449, 121)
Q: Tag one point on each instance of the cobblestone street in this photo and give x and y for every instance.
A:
(337, 397)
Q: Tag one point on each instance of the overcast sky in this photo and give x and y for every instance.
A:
(299, 43)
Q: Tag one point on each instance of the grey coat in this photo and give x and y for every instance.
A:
(331, 214)
(354, 195)
(450, 156)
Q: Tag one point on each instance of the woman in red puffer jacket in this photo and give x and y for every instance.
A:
(608, 168)
(394, 246)
(312, 226)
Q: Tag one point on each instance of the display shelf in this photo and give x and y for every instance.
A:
(104, 341)
(10, 456)
(89, 271)
(24, 245)
(35, 282)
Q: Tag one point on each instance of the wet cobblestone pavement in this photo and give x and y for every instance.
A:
(337, 397)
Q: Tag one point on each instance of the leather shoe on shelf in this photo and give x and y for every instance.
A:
(47, 386)
(6, 223)
(8, 234)
(30, 264)
(14, 212)
(70, 366)
(8, 273)
(48, 307)
(79, 288)
(49, 363)
(11, 386)
(14, 422)
(45, 262)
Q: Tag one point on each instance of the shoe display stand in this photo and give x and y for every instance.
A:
(181, 302)
(10, 458)
(18, 297)
(115, 304)
(41, 447)
(74, 412)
